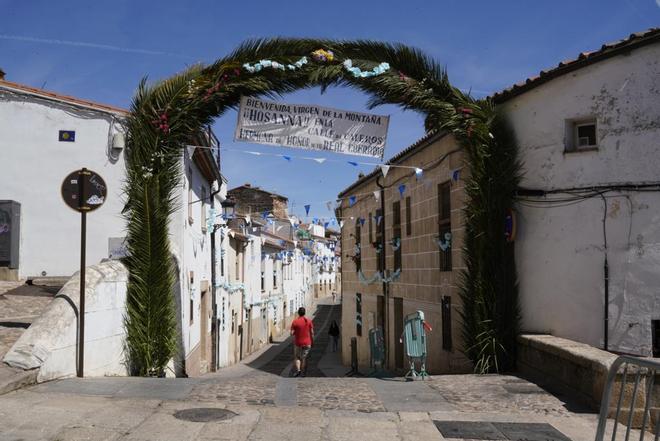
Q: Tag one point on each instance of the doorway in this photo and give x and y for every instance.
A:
(398, 331)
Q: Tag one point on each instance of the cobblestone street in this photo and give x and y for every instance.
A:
(266, 404)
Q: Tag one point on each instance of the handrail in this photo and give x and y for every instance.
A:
(653, 365)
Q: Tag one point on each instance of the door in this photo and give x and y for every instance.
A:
(398, 331)
(203, 326)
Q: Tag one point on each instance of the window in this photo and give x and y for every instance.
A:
(408, 217)
(202, 204)
(192, 304)
(379, 237)
(444, 226)
(274, 275)
(396, 234)
(581, 135)
(190, 197)
(655, 337)
(358, 246)
(263, 281)
(358, 314)
(371, 229)
(222, 262)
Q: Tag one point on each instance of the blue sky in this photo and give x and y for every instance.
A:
(100, 50)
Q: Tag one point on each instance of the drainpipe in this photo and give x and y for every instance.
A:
(386, 313)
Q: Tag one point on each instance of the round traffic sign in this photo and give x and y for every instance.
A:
(84, 190)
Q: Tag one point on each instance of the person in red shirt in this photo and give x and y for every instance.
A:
(302, 330)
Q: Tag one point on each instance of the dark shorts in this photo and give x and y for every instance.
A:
(301, 352)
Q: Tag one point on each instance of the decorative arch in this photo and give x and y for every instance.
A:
(166, 115)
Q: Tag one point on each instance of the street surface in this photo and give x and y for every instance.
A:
(266, 404)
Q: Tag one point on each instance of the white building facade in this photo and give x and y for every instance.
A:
(44, 137)
(588, 230)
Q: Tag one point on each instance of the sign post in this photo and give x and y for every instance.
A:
(83, 190)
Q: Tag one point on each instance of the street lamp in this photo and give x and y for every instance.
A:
(228, 208)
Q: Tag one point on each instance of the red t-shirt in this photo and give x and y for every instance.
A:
(302, 331)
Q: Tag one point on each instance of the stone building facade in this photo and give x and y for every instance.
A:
(254, 201)
(423, 236)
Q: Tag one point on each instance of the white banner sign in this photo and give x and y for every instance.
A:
(311, 127)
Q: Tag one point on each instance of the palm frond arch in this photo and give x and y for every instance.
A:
(164, 116)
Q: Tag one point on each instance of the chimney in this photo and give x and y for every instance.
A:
(2, 74)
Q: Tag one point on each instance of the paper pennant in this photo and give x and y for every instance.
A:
(288, 158)
(455, 175)
(329, 205)
(352, 200)
(384, 169)
(402, 189)
(419, 173)
(307, 207)
(354, 164)
(248, 219)
(255, 153)
(319, 160)
(325, 225)
(191, 151)
(361, 220)
(377, 195)
(378, 219)
(341, 224)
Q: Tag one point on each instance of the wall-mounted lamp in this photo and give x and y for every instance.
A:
(118, 142)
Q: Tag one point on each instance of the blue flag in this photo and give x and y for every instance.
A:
(351, 201)
(307, 207)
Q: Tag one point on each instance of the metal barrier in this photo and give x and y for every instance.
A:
(639, 367)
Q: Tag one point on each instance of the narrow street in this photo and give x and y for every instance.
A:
(265, 403)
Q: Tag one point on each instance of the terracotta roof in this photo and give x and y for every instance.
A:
(62, 98)
(421, 142)
(606, 51)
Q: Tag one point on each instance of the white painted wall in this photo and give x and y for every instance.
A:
(191, 243)
(50, 342)
(559, 251)
(33, 164)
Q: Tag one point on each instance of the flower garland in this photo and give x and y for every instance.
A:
(445, 244)
(359, 73)
(378, 277)
(261, 64)
(230, 287)
(321, 56)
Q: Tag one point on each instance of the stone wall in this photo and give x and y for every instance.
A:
(50, 343)
(580, 371)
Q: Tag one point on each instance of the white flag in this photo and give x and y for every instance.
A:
(377, 195)
(384, 168)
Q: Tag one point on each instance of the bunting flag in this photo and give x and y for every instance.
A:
(419, 173)
(191, 151)
(384, 169)
(402, 189)
(248, 219)
(319, 160)
(288, 158)
(255, 153)
(341, 224)
(352, 200)
(264, 215)
(329, 205)
(307, 207)
(456, 175)
(361, 220)
(325, 225)
(354, 164)
(378, 219)
(377, 195)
